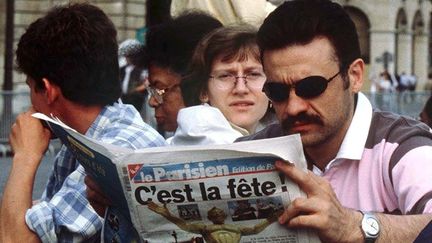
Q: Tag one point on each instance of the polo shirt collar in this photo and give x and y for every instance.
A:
(352, 146)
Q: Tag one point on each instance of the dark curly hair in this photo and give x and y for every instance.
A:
(300, 21)
(171, 44)
(75, 47)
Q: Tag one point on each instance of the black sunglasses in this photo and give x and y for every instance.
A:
(308, 87)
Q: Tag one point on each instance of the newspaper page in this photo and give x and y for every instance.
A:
(214, 193)
(218, 193)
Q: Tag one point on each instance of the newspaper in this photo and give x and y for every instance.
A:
(217, 193)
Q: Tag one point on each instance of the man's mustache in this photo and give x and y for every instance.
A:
(289, 122)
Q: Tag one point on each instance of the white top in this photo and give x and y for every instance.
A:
(202, 124)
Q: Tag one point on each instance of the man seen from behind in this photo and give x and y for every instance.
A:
(70, 59)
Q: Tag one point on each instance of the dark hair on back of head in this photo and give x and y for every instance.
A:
(171, 44)
(139, 59)
(75, 47)
(300, 21)
(231, 43)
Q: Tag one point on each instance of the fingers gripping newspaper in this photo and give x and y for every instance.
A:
(218, 193)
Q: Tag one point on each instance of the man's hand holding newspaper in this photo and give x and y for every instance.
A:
(98, 200)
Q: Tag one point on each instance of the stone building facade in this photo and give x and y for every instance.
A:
(394, 34)
(127, 15)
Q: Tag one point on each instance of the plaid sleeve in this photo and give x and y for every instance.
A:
(133, 137)
(68, 216)
(65, 215)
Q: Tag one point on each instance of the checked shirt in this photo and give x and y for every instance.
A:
(64, 213)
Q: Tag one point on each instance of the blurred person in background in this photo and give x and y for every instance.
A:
(412, 82)
(134, 78)
(404, 81)
(386, 84)
(133, 75)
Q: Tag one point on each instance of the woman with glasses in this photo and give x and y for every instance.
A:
(226, 73)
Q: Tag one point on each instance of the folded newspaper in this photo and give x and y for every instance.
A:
(217, 193)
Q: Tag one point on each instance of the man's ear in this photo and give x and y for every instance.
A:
(52, 91)
(355, 74)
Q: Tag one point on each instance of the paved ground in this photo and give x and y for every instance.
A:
(42, 175)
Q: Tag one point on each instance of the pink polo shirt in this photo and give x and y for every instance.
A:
(384, 163)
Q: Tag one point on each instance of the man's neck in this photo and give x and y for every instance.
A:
(79, 117)
(321, 155)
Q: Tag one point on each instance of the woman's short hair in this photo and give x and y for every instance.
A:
(228, 43)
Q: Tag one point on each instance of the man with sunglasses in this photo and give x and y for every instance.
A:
(369, 177)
